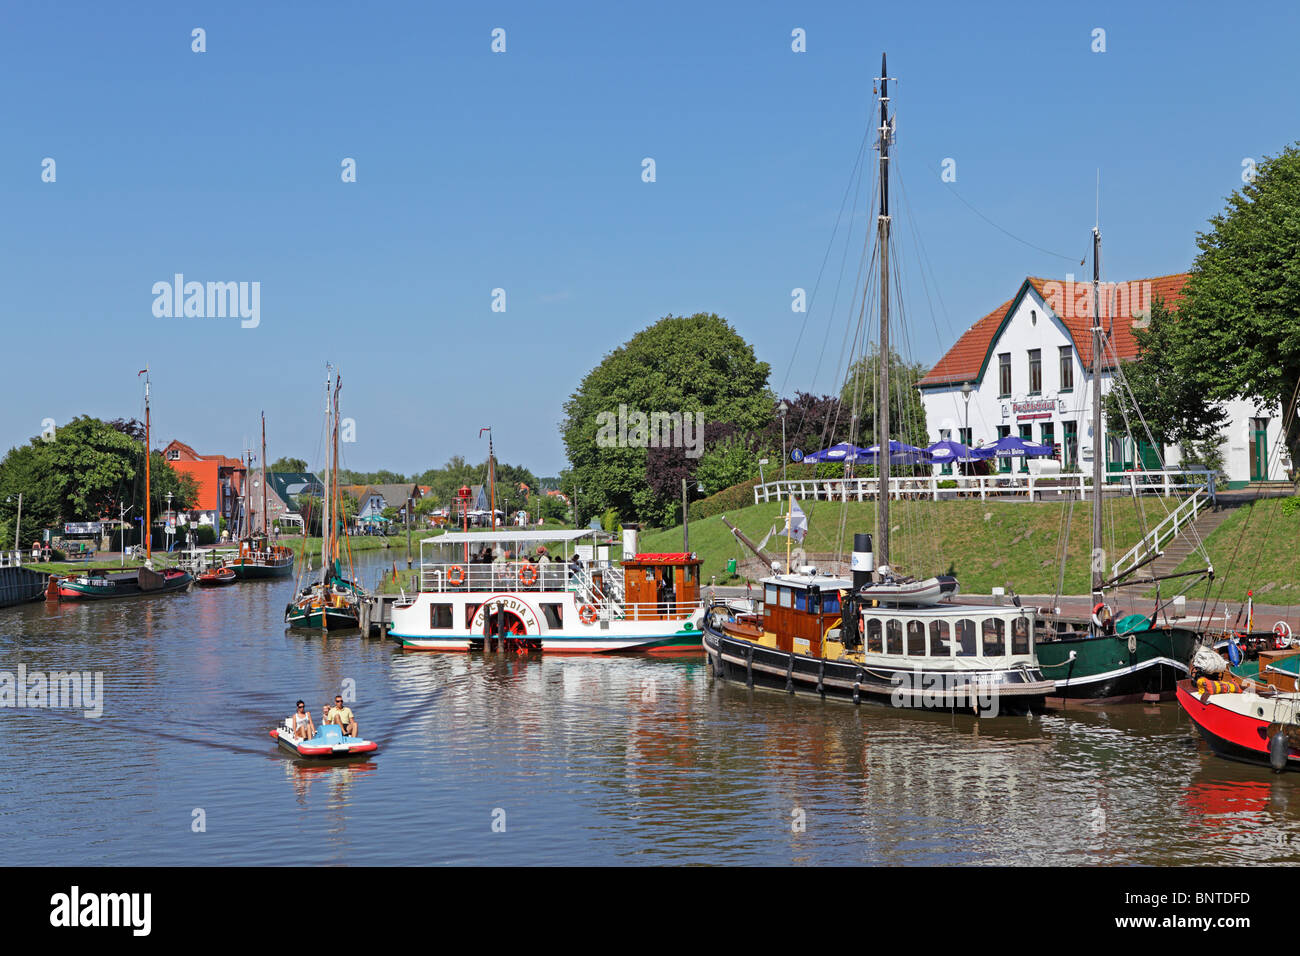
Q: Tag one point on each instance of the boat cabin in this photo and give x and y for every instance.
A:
(804, 614)
(660, 586)
(800, 608)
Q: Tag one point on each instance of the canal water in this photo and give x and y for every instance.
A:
(531, 760)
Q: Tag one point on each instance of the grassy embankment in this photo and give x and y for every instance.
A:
(986, 544)
(1256, 548)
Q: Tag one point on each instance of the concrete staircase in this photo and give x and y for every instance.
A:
(1177, 550)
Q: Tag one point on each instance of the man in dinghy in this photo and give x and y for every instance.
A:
(342, 715)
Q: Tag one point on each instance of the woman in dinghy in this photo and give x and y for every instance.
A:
(301, 721)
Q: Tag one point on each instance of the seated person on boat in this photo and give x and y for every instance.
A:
(301, 723)
(342, 715)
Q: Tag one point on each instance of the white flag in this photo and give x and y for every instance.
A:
(797, 525)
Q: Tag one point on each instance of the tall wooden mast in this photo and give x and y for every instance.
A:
(265, 528)
(148, 512)
(325, 495)
(882, 397)
(1098, 465)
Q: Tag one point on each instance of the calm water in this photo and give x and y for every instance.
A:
(615, 760)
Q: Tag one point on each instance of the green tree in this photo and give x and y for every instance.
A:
(727, 463)
(1160, 391)
(682, 365)
(861, 389)
(296, 465)
(1238, 334)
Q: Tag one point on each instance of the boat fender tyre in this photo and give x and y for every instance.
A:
(749, 665)
(455, 575)
(1277, 751)
(587, 614)
(528, 575)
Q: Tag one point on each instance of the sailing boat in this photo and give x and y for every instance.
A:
(1103, 666)
(258, 558)
(879, 636)
(333, 602)
(98, 585)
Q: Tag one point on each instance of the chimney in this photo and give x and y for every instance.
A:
(630, 539)
(863, 561)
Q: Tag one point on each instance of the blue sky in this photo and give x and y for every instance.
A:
(522, 171)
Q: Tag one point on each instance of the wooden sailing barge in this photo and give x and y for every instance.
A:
(879, 636)
(333, 602)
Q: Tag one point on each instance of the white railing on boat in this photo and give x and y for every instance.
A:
(513, 576)
(1168, 529)
(658, 610)
(1017, 485)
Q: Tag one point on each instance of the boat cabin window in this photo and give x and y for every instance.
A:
(801, 601)
(785, 598)
(965, 638)
(554, 614)
(995, 638)
(873, 636)
(916, 638)
(440, 617)
(1020, 636)
(893, 636)
(940, 645)
(769, 595)
(830, 602)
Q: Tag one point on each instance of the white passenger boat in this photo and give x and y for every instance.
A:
(649, 603)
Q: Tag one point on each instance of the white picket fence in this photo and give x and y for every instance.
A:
(1013, 485)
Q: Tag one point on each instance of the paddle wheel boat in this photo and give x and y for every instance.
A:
(649, 603)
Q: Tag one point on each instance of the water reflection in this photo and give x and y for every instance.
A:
(602, 760)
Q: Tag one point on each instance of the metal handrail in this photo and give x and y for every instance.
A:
(1167, 529)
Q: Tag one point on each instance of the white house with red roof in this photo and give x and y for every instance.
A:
(1023, 369)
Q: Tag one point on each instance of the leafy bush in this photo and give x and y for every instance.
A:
(728, 499)
(1291, 506)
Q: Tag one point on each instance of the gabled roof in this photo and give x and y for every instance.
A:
(191, 455)
(395, 495)
(1071, 302)
(288, 485)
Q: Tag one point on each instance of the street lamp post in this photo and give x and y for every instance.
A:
(783, 408)
(966, 393)
(761, 463)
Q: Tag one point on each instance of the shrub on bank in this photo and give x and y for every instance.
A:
(728, 499)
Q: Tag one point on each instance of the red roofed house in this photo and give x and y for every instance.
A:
(1023, 370)
(220, 480)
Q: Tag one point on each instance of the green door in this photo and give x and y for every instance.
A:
(1259, 451)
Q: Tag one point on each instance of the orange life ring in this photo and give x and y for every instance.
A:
(527, 575)
(587, 614)
(455, 575)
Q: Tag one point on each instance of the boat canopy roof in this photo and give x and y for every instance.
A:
(824, 581)
(521, 535)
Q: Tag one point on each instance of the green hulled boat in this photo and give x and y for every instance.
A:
(333, 602)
